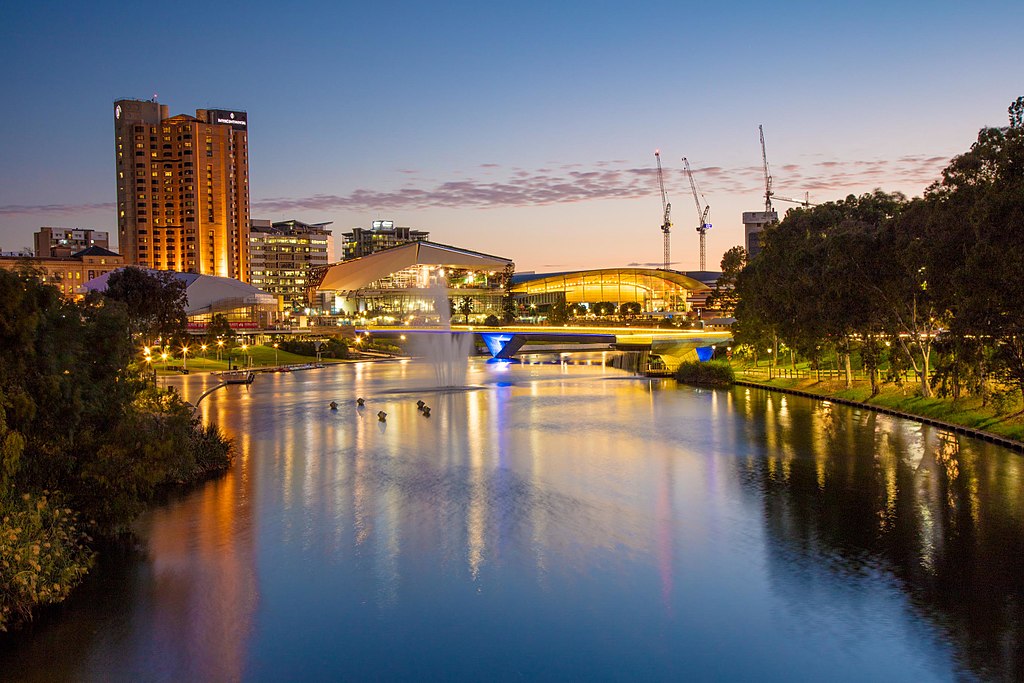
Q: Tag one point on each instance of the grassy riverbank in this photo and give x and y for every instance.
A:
(967, 411)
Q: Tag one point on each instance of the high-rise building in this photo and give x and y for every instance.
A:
(63, 242)
(381, 235)
(182, 188)
(282, 253)
(754, 223)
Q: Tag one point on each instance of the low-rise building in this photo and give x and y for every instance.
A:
(68, 273)
(63, 242)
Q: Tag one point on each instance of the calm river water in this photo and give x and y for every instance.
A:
(564, 522)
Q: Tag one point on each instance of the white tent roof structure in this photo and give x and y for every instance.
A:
(357, 273)
(206, 292)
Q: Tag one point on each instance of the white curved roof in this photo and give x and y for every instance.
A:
(357, 273)
(204, 291)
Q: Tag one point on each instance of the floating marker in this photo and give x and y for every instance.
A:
(359, 402)
(334, 406)
(382, 416)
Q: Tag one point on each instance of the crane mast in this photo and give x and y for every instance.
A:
(767, 175)
(666, 211)
(702, 215)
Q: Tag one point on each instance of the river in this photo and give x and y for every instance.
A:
(558, 521)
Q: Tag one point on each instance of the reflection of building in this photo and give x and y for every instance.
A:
(381, 235)
(651, 290)
(63, 242)
(282, 253)
(70, 273)
(754, 222)
(182, 188)
(408, 280)
(245, 307)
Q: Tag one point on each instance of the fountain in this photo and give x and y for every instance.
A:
(447, 351)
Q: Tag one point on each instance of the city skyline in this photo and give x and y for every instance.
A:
(524, 132)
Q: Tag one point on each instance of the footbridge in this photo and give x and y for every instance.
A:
(672, 346)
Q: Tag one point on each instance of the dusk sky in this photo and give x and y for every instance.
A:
(524, 130)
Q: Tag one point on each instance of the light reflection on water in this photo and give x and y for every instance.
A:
(559, 521)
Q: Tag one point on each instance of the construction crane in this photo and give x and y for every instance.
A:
(806, 201)
(666, 210)
(767, 176)
(702, 215)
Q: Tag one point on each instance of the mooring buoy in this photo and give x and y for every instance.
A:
(359, 402)
(334, 406)
(382, 416)
(426, 411)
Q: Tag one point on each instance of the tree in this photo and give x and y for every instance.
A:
(724, 297)
(155, 302)
(220, 328)
(630, 308)
(466, 306)
(605, 308)
(508, 301)
(975, 223)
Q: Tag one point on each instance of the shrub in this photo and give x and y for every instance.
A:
(331, 348)
(714, 373)
(43, 556)
(492, 321)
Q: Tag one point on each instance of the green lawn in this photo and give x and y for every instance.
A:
(967, 411)
(253, 356)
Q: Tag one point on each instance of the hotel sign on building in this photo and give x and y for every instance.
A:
(230, 118)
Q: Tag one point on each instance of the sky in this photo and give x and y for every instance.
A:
(526, 130)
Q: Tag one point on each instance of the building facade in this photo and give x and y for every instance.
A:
(282, 253)
(754, 223)
(381, 235)
(68, 273)
(182, 188)
(63, 242)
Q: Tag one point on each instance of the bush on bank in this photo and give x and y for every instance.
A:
(43, 555)
(331, 348)
(82, 433)
(714, 373)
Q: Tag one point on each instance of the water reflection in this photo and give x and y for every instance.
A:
(876, 496)
(559, 521)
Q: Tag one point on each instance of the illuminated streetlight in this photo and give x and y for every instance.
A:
(275, 353)
(184, 357)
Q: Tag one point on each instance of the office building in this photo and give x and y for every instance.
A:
(381, 235)
(182, 188)
(63, 242)
(282, 253)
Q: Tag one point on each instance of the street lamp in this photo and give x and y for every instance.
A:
(220, 348)
(275, 353)
(244, 347)
(184, 357)
(163, 357)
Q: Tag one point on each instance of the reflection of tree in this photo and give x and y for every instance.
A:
(858, 492)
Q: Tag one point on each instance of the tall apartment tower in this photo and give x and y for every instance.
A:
(182, 189)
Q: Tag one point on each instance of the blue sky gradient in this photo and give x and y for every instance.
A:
(525, 130)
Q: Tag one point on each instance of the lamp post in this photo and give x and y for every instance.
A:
(163, 357)
(184, 358)
(275, 353)
(244, 351)
(220, 351)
